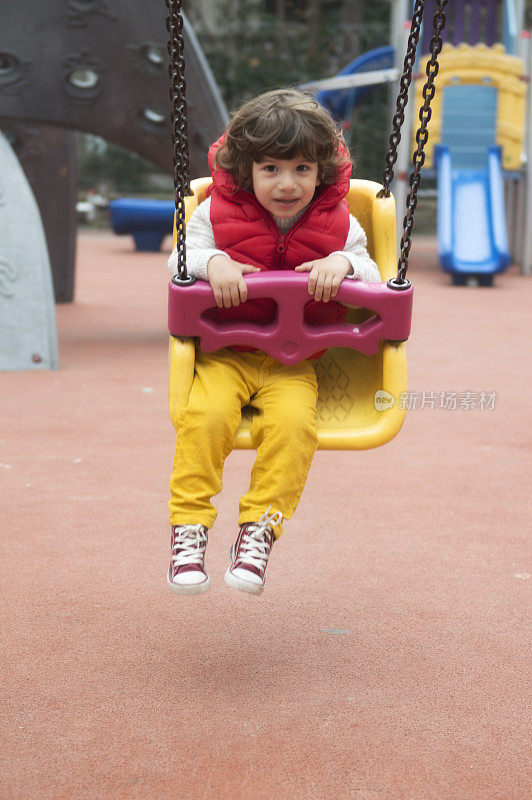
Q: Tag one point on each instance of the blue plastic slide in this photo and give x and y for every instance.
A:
(472, 237)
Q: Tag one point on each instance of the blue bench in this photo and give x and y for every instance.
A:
(148, 221)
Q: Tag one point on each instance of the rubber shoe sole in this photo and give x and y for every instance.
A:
(238, 583)
(191, 588)
(243, 586)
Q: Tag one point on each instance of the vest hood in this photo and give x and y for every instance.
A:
(329, 195)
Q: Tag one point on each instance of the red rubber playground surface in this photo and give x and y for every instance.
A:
(387, 658)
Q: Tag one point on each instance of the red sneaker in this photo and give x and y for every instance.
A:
(186, 574)
(250, 553)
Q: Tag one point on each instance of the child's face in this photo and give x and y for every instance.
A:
(284, 187)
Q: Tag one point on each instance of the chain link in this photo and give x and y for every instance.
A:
(402, 98)
(422, 136)
(176, 72)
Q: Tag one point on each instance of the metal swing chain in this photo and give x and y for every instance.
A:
(422, 136)
(402, 98)
(425, 113)
(176, 72)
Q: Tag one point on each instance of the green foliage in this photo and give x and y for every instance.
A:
(368, 137)
(103, 164)
(253, 53)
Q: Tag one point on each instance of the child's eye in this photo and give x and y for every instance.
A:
(269, 168)
(303, 168)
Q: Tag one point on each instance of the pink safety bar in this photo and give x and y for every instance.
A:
(289, 338)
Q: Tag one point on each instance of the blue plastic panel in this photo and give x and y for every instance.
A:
(469, 124)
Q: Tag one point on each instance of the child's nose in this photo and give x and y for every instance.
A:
(287, 180)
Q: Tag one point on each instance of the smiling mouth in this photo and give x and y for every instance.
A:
(285, 201)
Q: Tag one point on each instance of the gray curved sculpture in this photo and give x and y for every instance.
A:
(28, 337)
(101, 66)
(48, 158)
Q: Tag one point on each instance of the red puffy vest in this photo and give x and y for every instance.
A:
(248, 233)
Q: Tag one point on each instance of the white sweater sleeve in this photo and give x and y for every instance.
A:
(364, 268)
(200, 243)
(201, 247)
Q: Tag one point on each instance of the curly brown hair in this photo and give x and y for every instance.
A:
(284, 124)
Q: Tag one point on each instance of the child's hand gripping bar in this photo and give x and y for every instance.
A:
(289, 338)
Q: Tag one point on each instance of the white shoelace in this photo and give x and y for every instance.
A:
(190, 541)
(253, 544)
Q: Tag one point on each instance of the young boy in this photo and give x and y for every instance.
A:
(280, 176)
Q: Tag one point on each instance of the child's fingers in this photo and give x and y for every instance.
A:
(234, 292)
(249, 268)
(230, 294)
(335, 285)
(218, 296)
(226, 295)
(312, 279)
(320, 282)
(243, 290)
(327, 287)
(306, 267)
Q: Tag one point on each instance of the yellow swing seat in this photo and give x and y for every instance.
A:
(359, 399)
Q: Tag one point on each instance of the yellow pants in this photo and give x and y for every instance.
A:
(283, 430)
